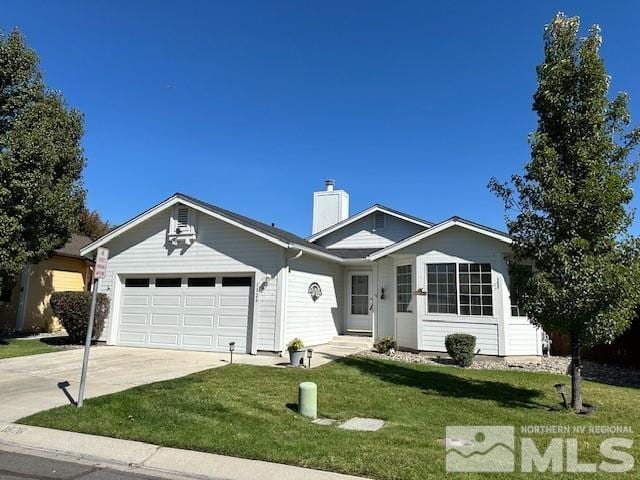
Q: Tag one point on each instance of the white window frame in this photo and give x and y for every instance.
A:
(457, 277)
(410, 306)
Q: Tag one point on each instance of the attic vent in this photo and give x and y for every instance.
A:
(182, 218)
(379, 221)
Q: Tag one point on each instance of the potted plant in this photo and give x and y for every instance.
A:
(296, 352)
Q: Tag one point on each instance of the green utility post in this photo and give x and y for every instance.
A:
(308, 399)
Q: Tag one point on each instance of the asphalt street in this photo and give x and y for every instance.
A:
(17, 466)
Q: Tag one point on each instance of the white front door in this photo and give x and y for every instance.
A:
(360, 303)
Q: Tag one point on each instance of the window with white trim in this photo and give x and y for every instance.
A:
(476, 294)
(403, 288)
(441, 288)
(517, 274)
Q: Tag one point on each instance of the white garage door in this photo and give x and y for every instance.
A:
(186, 312)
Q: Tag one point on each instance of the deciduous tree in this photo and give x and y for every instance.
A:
(41, 161)
(569, 212)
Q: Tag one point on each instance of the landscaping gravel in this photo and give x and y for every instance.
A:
(604, 373)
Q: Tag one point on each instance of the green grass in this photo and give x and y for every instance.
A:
(246, 411)
(10, 348)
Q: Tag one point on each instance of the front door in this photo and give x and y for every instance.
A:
(360, 303)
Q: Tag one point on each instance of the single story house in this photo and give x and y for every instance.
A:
(24, 305)
(186, 274)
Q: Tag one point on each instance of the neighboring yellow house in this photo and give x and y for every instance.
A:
(25, 307)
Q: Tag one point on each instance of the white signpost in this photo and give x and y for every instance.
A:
(99, 271)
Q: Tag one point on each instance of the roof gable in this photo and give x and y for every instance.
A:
(372, 209)
(447, 224)
(270, 233)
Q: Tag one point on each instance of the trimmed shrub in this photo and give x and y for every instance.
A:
(461, 348)
(385, 344)
(72, 308)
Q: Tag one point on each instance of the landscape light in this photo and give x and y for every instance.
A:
(232, 347)
(560, 388)
(309, 355)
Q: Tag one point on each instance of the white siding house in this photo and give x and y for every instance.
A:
(186, 274)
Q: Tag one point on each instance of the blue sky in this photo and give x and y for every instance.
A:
(252, 104)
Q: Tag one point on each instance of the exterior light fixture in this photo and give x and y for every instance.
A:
(560, 388)
(309, 355)
(232, 347)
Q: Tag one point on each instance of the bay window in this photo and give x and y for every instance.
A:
(476, 296)
(441, 288)
(462, 289)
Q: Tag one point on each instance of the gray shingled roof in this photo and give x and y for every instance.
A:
(288, 237)
(276, 232)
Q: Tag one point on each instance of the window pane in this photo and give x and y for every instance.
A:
(476, 289)
(201, 281)
(403, 288)
(441, 288)
(236, 281)
(518, 274)
(359, 294)
(136, 282)
(168, 282)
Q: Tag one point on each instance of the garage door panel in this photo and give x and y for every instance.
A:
(194, 315)
(167, 300)
(199, 301)
(197, 340)
(234, 300)
(224, 340)
(232, 321)
(142, 300)
(133, 319)
(198, 320)
(163, 339)
(158, 319)
(137, 338)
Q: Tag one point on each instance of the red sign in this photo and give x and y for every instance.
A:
(100, 268)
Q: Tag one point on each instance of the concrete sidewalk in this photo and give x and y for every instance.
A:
(147, 459)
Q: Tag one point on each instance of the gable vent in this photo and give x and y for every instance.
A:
(182, 218)
(379, 221)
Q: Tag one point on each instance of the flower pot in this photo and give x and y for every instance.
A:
(296, 357)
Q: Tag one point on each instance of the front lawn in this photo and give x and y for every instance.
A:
(18, 348)
(248, 411)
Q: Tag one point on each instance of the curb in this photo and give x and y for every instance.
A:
(148, 459)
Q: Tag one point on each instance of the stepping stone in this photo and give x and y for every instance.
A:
(324, 421)
(363, 424)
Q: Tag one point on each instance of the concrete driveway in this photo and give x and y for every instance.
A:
(39, 382)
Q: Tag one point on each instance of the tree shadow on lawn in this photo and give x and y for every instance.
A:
(445, 384)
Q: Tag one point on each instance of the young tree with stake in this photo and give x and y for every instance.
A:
(570, 209)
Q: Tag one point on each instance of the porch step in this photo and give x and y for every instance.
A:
(351, 343)
(353, 339)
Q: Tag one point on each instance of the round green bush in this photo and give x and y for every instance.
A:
(385, 344)
(461, 348)
(72, 308)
